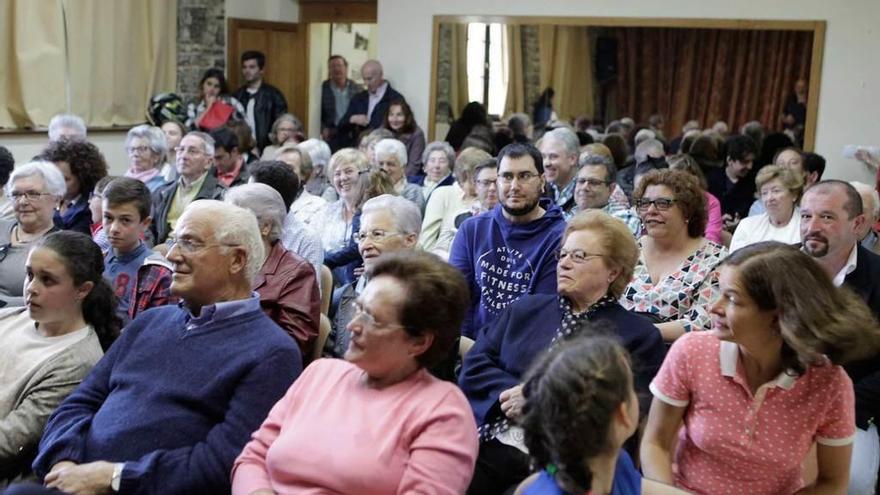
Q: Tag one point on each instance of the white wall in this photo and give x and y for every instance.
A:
(849, 102)
(264, 10)
(112, 144)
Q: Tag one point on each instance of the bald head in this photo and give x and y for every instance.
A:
(373, 76)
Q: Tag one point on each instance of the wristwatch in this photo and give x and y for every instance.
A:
(117, 476)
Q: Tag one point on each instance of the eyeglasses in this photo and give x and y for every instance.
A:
(577, 255)
(508, 177)
(375, 235)
(189, 151)
(139, 149)
(592, 183)
(28, 195)
(189, 246)
(362, 315)
(662, 204)
(485, 182)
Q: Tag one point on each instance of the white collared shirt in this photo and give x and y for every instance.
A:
(848, 267)
(375, 98)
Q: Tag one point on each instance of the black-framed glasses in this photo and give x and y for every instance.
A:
(577, 255)
(662, 204)
(508, 177)
(485, 182)
(28, 195)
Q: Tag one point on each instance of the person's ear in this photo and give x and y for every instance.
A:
(623, 417)
(239, 260)
(859, 223)
(145, 223)
(420, 344)
(83, 290)
(410, 240)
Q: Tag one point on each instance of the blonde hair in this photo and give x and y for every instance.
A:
(616, 240)
(792, 181)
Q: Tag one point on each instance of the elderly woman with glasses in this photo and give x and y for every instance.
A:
(377, 421)
(35, 190)
(147, 148)
(675, 278)
(596, 261)
(287, 284)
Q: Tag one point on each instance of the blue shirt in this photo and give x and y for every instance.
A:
(627, 481)
(121, 271)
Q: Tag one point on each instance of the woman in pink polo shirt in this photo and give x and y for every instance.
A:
(764, 384)
(377, 422)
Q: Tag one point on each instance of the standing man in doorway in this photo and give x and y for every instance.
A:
(336, 92)
(263, 102)
(367, 108)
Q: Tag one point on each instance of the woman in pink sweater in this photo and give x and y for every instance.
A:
(377, 422)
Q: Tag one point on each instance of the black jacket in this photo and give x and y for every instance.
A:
(269, 105)
(360, 104)
(211, 189)
(328, 102)
(865, 281)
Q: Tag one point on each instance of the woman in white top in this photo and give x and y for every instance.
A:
(49, 346)
(781, 190)
(333, 221)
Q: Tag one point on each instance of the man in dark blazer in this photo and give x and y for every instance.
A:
(336, 93)
(197, 180)
(366, 110)
(831, 219)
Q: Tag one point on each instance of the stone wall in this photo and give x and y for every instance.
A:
(201, 43)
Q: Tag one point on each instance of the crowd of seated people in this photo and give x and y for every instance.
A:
(559, 308)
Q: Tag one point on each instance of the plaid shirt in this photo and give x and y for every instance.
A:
(153, 288)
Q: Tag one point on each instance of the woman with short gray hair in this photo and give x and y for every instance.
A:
(35, 190)
(287, 283)
(146, 147)
(391, 157)
(437, 161)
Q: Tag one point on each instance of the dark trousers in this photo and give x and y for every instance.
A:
(31, 489)
(499, 469)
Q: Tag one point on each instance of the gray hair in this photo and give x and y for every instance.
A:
(265, 203)
(152, 134)
(66, 121)
(206, 139)
(591, 160)
(234, 225)
(644, 135)
(284, 117)
(443, 146)
(392, 147)
(566, 137)
(649, 148)
(52, 177)
(318, 151)
(864, 189)
(690, 125)
(406, 214)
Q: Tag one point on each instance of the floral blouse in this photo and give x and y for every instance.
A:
(684, 295)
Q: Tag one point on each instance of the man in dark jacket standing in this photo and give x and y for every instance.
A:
(263, 103)
(336, 93)
(366, 110)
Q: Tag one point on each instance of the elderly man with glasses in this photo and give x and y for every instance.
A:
(174, 401)
(594, 186)
(195, 154)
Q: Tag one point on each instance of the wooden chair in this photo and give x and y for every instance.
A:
(323, 333)
(326, 289)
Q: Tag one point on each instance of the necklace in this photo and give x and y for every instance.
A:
(18, 240)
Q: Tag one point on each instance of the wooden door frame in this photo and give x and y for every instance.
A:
(232, 63)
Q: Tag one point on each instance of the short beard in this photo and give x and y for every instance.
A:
(819, 252)
(518, 212)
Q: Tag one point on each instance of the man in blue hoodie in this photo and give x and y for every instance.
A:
(508, 252)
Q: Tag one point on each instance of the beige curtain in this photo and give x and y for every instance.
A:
(117, 54)
(458, 91)
(516, 94)
(567, 67)
(32, 87)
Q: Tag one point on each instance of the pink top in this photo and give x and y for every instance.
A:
(734, 442)
(332, 434)
(714, 223)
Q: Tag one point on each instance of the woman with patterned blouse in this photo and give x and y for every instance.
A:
(675, 278)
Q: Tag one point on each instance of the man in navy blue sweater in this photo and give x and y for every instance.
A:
(174, 400)
(508, 252)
